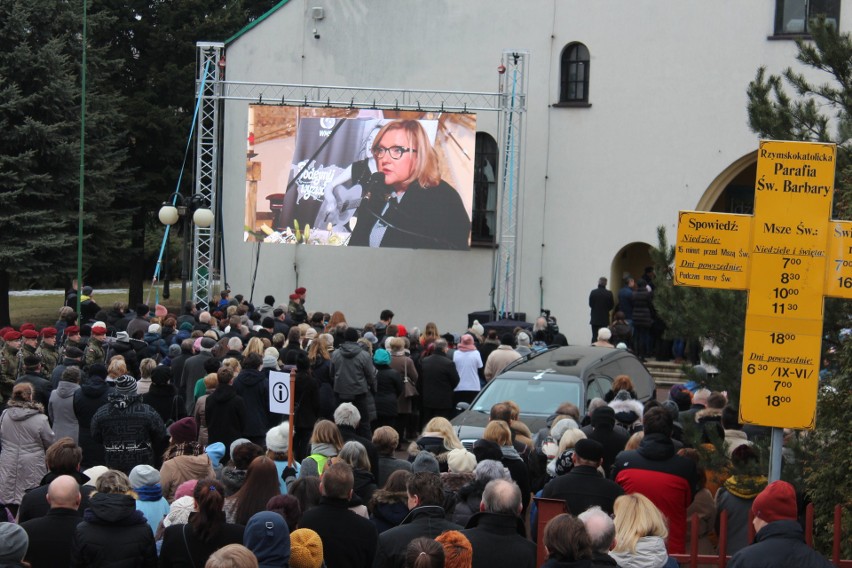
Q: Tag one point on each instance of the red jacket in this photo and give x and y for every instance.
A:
(668, 480)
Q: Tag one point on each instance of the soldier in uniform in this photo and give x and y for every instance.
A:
(296, 309)
(73, 338)
(47, 351)
(30, 342)
(96, 349)
(9, 364)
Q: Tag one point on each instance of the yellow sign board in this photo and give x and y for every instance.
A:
(712, 250)
(795, 258)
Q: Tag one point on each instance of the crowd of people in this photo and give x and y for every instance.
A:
(145, 438)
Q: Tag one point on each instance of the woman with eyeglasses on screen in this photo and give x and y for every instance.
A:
(414, 207)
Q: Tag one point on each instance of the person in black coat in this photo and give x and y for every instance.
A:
(600, 303)
(389, 387)
(307, 406)
(779, 540)
(51, 535)
(438, 381)
(642, 319)
(349, 540)
(193, 369)
(113, 532)
(253, 387)
(583, 486)
(63, 459)
(91, 395)
(497, 534)
(225, 410)
(426, 518)
(206, 532)
(604, 431)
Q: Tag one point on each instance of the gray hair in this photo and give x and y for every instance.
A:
(502, 496)
(235, 344)
(71, 374)
(594, 404)
(347, 414)
(600, 527)
(355, 454)
(441, 344)
(488, 470)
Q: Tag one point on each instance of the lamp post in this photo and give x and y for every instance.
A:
(177, 208)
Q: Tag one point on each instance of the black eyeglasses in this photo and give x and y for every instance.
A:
(395, 152)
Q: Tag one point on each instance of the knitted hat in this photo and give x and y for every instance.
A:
(160, 311)
(565, 463)
(466, 343)
(523, 339)
(590, 450)
(13, 542)
(278, 438)
(154, 328)
(776, 503)
(461, 461)
(143, 475)
(371, 337)
(487, 450)
(381, 357)
(477, 328)
(73, 353)
(603, 416)
(305, 549)
(270, 362)
(174, 350)
(186, 489)
(185, 326)
(207, 343)
(179, 511)
(215, 451)
(126, 385)
(401, 331)
(184, 430)
(425, 461)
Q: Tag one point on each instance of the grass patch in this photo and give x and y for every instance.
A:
(44, 310)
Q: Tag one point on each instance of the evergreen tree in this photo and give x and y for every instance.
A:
(39, 146)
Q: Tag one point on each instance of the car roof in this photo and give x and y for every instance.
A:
(570, 360)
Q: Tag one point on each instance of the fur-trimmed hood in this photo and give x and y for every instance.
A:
(383, 497)
(455, 481)
(23, 409)
(709, 414)
(624, 408)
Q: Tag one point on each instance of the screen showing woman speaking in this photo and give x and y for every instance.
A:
(359, 177)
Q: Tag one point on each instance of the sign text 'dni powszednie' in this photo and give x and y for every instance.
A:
(794, 258)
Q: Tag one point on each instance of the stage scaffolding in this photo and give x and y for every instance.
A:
(509, 102)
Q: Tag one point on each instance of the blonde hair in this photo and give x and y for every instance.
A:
(255, 345)
(146, 367)
(570, 438)
(442, 426)
(113, 481)
(233, 364)
(634, 441)
(232, 556)
(636, 517)
(211, 381)
(426, 170)
(327, 432)
(117, 367)
(498, 431)
(396, 344)
(430, 333)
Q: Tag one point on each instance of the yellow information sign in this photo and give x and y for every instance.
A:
(838, 282)
(712, 250)
(795, 258)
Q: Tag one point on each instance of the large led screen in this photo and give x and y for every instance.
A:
(358, 177)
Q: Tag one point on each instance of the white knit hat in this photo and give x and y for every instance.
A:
(278, 438)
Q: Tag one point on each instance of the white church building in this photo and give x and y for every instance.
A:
(634, 110)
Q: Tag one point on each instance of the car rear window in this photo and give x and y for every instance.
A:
(534, 397)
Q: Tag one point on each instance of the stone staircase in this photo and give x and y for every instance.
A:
(666, 374)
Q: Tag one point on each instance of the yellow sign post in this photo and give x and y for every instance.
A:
(789, 255)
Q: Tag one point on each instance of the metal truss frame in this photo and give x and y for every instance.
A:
(510, 102)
